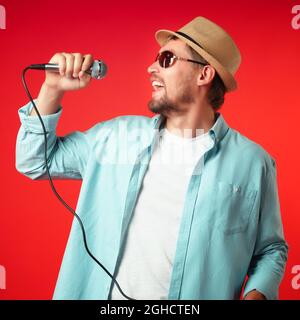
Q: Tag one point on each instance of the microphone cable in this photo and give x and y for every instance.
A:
(60, 198)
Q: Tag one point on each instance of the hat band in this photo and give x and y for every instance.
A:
(188, 37)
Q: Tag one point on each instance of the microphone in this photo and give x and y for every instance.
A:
(97, 71)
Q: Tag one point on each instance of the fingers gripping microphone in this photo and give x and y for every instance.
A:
(97, 71)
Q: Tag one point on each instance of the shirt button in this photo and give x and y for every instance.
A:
(236, 189)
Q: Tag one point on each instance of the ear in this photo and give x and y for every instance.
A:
(206, 75)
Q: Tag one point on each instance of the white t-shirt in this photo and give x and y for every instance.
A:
(146, 265)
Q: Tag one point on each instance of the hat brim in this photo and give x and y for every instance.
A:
(162, 37)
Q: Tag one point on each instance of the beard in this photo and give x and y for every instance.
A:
(165, 105)
(162, 106)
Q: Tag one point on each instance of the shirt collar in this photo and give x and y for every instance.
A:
(217, 131)
(156, 121)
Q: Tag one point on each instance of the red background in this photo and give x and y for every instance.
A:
(34, 226)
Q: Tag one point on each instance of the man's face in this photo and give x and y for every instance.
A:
(174, 88)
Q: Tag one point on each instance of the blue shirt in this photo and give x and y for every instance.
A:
(230, 226)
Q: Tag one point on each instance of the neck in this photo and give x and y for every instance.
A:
(195, 121)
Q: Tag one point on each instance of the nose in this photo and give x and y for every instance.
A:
(153, 67)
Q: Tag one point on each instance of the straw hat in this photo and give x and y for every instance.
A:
(213, 43)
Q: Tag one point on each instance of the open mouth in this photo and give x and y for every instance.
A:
(156, 85)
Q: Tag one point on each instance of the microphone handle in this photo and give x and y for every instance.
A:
(97, 71)
(51, 67)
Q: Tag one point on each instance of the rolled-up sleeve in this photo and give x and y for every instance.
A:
(67, 156)
(268, 263)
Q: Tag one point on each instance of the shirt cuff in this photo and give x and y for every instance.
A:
(33, 124)
(264, 284)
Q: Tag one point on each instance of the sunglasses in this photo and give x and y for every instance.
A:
(167, 58)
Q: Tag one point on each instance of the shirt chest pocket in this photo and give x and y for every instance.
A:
(232, 205)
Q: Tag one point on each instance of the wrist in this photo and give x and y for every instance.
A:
(51, 92)
(48, 100)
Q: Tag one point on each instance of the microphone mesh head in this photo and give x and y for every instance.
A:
(99, 69)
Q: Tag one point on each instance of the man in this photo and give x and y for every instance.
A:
(191, 229)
